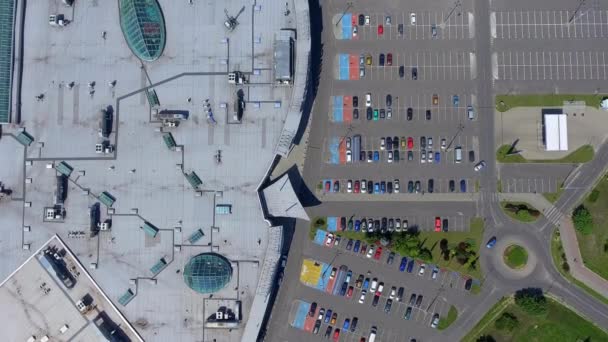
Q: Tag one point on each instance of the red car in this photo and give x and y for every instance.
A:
(349, 293)
(437, 224)
(336, 335)
(357, 187)
(380, 30)
(389, 59)
(363, 249)
(378, 253)
(327, 186)
(410, 143)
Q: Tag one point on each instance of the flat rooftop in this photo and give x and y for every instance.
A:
(86, 67)
(37, 303)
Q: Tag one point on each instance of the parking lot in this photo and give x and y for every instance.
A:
(537, 24)
(551, 65)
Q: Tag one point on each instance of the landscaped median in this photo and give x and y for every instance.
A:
(515, 257)
(506, 102)
(583, 154)
(520, 211)
(457, 251)
(445, 322)
(530, 316)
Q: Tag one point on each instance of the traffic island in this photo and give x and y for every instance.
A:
(515, 256)
(520, 211)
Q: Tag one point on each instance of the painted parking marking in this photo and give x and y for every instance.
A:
(585, 24)
(551, 65)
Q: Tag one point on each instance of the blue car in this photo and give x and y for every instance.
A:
(491, 243)
(383, 187)
(403, 264)
(437, 157)
(327, 316)
(357, 246)
(376, 188)
(456, 100)
(376, 156)
(463, 186)
(357, 225)
(365, 284)
(343, 289)
(410, 266)
(346, 324)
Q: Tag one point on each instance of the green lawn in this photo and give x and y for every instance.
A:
(559, 324)
(583, 154)
(445, 322)
(515, 256)
(522, 215)
(557, 253)
(594, 246)
(430, 240)
(544, 100)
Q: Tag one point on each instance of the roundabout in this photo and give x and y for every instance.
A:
(515, 257)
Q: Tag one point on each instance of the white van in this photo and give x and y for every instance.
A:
(372, 335)
(458, 154)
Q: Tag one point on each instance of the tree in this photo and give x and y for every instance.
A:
(486, 338)
(425, 254)
(507, 321)
(583, 221)
(532, 301)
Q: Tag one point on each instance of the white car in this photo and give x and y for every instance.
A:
(413, 18)
(368, 99)
(367, 20)
(390, 156)
(370, 252)
(443, 144)
(393, 293)
(388, 20)
(429, 157)
(421, 271)
(348, 141)
(349, 156)
(435, 321)
(361, 72)
(480, 165)
(362, 298)
(429, 141)
(397, 225)
(349, 186)
(330, 239)
(397, 187)
(382, 143)
(372, 288)
(423, 156)
(355, 31)
(363, 186)
(434, 274)
(404, 224)
(380, 289)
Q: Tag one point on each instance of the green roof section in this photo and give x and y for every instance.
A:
(193, 179)
(150, 229)
(64, 168)
(107, 199)
(197, 235)
(25, 138)
(207, 272)
(159, 266)
(169, 140)
(152, 97)
(143, 27)
(126, 297)
(7, 10)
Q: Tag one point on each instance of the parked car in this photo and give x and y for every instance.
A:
(414, 73)
(419, 301)
(401, 71)
(455, 100)
(463, 186)
(403, 264)
(445, 225)
(435, 100)
(388, 306)
(413, 18)
(421, 270)
(437, 224)
(408, 313)
(410, 114)
(315, 330)
(410, 266)
(435, 321)
(361, 20)
(380, 30)
(452, 185)
(375, 301)
(362, 297)
(353, 324)
(428, 114)
(479, 166)
(400, 292)
(381, 59)
(389, 98)
(468, 284)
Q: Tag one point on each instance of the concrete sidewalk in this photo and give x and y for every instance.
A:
(569, 240)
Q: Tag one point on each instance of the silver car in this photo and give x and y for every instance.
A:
(423, 156)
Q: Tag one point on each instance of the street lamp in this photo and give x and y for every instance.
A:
(348, 5)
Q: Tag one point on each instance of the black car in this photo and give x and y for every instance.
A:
(452, 185)
(382, 113)
(418, 301)
(410, 114)
(362, 156)
(370, 155)
(389, 100)
(417, 186)
(336, 186)
(412, 299)
(361, 20)
(381, 59)
(356, 113)
(472, 156)
(396, 154)
(445, 225)
(468, 283)
(428, 114)
(410, 187)
(355, 101)
(388, 305)
(349, 245)
(396, 142)
(414, 73)
(389, 143)
(431, 186)
(400, 29)
(422, 142)
(328, 331)
(384, 224)
(315, 330)
(391, 258)
(343, 289)
(401, 71)
(376, 225)
(375, 301)
(408, 313)
(353, 324)
(410, 155)
(370, 113)
(400, 294)
(370, 185)
(343, 223)
(313, 308)
(389, 188)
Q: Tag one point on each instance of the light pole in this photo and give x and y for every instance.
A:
(456, 5)
(460, 128)
(580, 4)
(348, 5)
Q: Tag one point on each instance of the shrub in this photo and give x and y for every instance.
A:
(594, 195)
(532, 301)
(583, 221)
(507, 321)
(565, 266)
(523, 215)
(486, 338)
